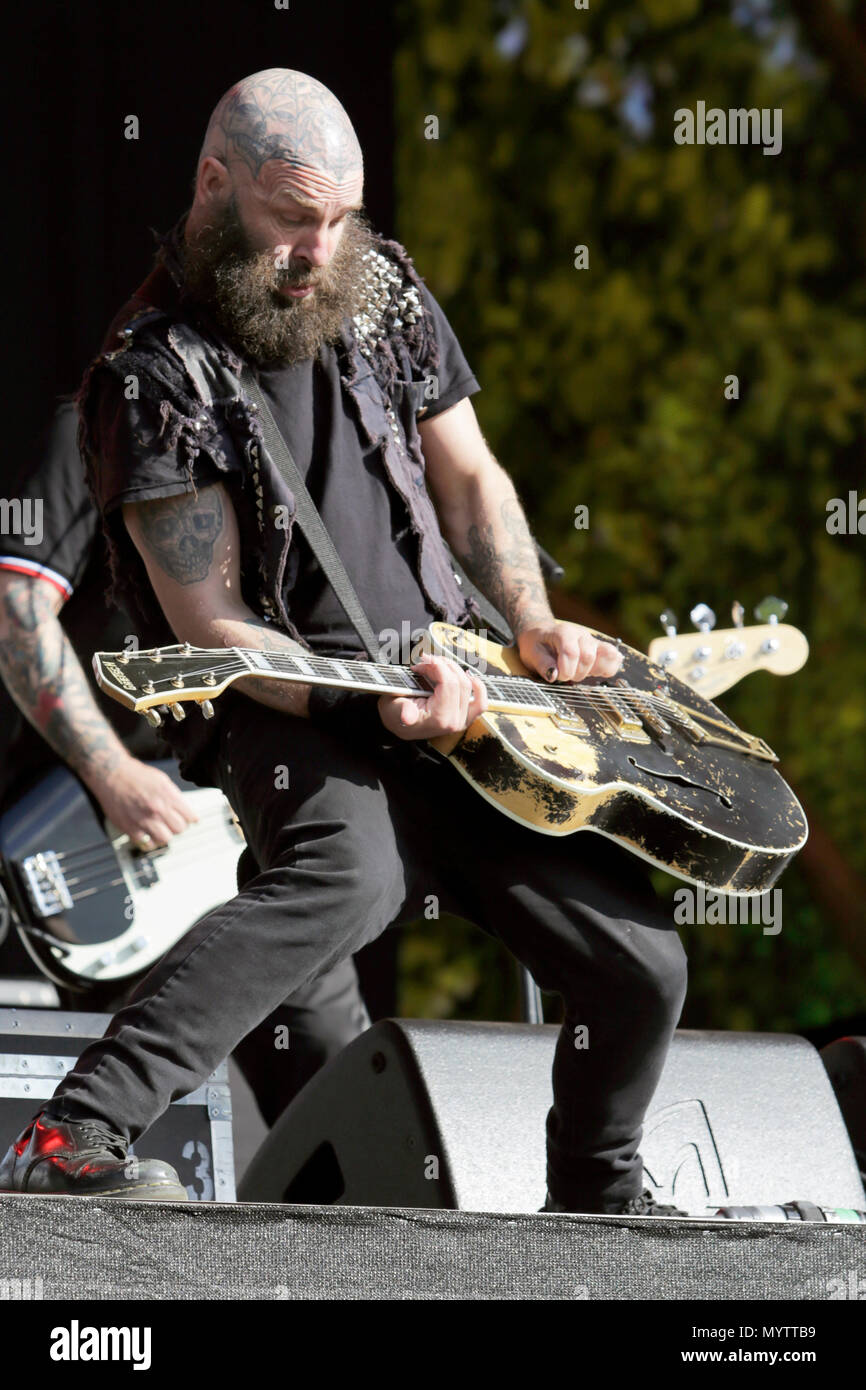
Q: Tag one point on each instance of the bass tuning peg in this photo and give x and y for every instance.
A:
(668, 620)
(770, 609)
(703, 617)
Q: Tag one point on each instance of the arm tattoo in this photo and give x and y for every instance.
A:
(503, 562)
(45, 679)
(289, 696)
(181, 532)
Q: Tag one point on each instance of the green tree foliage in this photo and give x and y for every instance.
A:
(605, 386)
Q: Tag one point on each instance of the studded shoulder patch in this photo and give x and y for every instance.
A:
(391, 301)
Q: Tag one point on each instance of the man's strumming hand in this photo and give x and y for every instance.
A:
(563, 651)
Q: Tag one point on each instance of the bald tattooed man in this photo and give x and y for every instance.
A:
(275, 270)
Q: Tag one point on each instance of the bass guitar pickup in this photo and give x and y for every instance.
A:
(46, 885)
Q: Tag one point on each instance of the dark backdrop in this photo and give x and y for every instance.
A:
(83, 197)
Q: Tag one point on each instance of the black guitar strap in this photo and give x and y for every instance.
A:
(316, 534)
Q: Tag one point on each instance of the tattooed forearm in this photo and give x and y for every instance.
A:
(181, 532)
(290, 697)
(44, 677)
(499, 555)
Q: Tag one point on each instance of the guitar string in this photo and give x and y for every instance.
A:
(102, 857)
(394, 672)
(88, 884)
(588, 696)
(68, 856)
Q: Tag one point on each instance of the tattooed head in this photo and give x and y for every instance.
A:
(290, 119)
(275, 234)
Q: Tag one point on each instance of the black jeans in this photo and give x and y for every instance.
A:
(320, 1019)
(364, 836)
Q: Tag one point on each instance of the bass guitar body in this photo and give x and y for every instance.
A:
(93, 911)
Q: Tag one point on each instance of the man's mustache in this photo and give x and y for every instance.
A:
(286, 278)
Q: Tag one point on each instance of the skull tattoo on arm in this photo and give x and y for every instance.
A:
(181, 533)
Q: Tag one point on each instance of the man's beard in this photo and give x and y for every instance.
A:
(239, 287)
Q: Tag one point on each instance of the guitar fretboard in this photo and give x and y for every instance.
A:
(502, 690)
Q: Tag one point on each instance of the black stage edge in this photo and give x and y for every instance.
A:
(83, 1249)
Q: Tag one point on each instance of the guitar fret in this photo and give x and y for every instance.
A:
(343, 671)
(363, 670)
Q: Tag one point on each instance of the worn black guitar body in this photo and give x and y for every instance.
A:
(669, 776)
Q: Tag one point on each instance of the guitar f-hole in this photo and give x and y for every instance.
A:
(682, 781)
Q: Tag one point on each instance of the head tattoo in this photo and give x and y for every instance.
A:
(286, 115)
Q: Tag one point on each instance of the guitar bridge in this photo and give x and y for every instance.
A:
(46, 885)
(729, 736)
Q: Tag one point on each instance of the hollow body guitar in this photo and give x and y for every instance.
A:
(641, 758)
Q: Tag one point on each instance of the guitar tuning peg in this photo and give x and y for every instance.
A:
(668, 620)
(703, 617)
(737, 613)
(153, 717)
(178, 712)
(770, 609)
(207, 709)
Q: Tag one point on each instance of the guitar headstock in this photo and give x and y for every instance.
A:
(168, 677)
(711, 660)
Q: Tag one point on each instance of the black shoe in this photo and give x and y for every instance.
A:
(550, 1205)
(83, 1158)
(644, 1205)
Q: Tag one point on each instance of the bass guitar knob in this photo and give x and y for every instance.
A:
(207, 709)
(153, 717)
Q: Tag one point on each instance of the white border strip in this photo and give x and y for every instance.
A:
(15, 562)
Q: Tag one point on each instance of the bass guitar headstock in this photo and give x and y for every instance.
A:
(711, 660)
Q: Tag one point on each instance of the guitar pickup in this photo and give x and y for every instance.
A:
(621, 718)
(651, 718)
(570, 723)
(46, 885)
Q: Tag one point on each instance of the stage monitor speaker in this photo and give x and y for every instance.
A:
(426, 1114)
(845, 1061)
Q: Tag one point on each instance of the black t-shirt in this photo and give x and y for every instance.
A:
(70, 555)
(366, 517)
